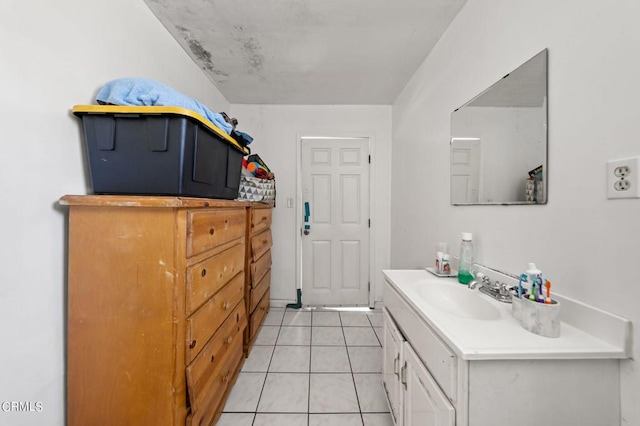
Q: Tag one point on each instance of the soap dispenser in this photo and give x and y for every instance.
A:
(466, 258)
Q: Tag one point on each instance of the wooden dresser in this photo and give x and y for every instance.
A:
(258, 267)
(156, 308)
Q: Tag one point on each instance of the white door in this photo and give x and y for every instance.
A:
(424, 403)
(335, 248)
(391, 359)
(465, 170)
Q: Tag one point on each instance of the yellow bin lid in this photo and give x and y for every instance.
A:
(79, 110)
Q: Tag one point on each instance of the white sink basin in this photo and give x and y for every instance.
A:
(456, 300)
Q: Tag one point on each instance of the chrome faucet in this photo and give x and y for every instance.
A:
(497, 290)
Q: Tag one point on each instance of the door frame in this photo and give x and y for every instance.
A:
(299, 205)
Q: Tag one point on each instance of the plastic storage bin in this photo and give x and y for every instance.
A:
(158, 150)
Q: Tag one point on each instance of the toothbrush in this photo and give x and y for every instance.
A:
(548, 301)
(541, 292)
(523, 278)
(532, 296)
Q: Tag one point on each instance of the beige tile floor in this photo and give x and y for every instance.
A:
(312, 367)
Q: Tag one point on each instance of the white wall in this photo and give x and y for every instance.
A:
(277, 131)
(587, 245)
(54, 55)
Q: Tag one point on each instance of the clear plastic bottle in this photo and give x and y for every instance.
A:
(466, 258)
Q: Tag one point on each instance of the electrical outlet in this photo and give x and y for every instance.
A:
(623, 178)
(621, 172)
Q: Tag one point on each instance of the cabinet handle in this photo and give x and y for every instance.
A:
(396, 363)
(192, 345)
(212, 230)
(226, 305)
(228, 340)
(203, 272)
(403, 375)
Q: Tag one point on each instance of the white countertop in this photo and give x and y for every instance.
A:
(501, 337)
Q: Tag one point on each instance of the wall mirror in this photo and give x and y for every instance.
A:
(499, 140)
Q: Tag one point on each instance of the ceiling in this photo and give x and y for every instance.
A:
(359, 52)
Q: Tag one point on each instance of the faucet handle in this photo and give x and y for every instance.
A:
(505, 289)
(479, 278)
(483, 278)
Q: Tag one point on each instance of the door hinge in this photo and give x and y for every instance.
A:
(369, 159)
(369, 286)
(369, 223)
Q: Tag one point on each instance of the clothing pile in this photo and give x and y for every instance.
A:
(242, 138)
(147, 92)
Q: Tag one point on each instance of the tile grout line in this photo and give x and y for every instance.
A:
(353, 379)
(255, 414)
(310, 355)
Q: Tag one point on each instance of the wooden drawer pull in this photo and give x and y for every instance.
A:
(226, 305)
(264, 241)
(193, 344)
(203, 272)
(212, 230)
(228, 340)
(213, 357)
(264, 218)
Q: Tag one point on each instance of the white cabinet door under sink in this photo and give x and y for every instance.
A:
(392, 348)
(413, 394)
(424, 402)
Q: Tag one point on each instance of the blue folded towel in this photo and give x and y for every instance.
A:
(146, 92)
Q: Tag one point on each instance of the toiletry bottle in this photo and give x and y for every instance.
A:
(466, 258)
(441, 248)
(533, 275)
(446, 266)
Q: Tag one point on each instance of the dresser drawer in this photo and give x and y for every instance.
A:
(206, 320)
(260, 244)
(259, 290)
(206, 278)
(209, 397)
(260, 267)
(208, 369)
(211, 228)
(260, 219)
(257, 317)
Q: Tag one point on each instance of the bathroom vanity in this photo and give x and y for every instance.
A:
(454, 356)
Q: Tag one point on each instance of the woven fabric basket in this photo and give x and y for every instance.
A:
(255, 189)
